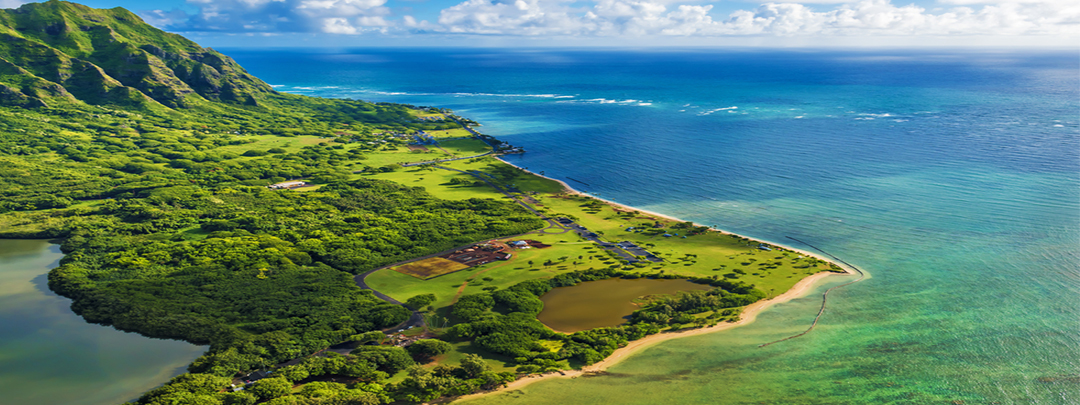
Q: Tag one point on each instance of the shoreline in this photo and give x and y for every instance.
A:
(748, 315)
(571, 190)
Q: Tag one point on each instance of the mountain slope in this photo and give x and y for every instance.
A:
(60, 52)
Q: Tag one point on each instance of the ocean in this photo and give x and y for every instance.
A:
(951, 177)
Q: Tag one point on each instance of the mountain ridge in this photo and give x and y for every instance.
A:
(59, 52)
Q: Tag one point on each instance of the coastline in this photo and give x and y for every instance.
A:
(571, 190)
(748, 315)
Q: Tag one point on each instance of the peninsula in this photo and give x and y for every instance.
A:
(328, 251)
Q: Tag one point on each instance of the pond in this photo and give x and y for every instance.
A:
(49, 355)
(603, 303)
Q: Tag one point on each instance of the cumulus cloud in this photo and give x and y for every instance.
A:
(328, 16)
(12, 3)
(635, 18)
(652, 18)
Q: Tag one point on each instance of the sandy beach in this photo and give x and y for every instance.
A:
(749, 314)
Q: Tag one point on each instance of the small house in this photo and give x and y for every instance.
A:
(287, 185)
(256, 376)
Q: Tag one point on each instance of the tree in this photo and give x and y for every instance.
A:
(270, 388)
(420, 301)
(238, 398)
(474, 365)
(428, 348)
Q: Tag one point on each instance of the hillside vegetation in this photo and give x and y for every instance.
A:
(149, 156)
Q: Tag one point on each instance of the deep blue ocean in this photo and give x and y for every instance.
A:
(952, 177)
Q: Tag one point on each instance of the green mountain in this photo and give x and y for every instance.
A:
(59, 52)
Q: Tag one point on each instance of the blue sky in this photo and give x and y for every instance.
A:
(637, 23)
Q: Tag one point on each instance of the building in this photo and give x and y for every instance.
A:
(287, 185)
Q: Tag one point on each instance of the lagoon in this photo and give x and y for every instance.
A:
(49, 355)
(603, 303)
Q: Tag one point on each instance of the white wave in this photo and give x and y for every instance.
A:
(901, 120)
(801, 116)
(644, 104)
(1059, 126)
(277, 85)
(506, 95)
(718, 110)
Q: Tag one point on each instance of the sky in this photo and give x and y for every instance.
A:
(619, 23)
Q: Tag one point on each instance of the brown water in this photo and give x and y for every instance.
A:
(50, 356)
(602, 303)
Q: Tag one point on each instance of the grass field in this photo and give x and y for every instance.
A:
(712, 253)
(450, 133)
(567, 249)
(266, 142)
(429, 268)
(425, 114)
(400, 154)
(522, 180)
(437, 182)
(465, 147)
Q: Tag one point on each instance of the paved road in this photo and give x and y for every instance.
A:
(592, 236)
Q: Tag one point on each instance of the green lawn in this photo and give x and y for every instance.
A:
(717, 254)
(465, 147)
(450, 133)
(502, 273)
(437, 183)
(266, 142)
(523, 180)
(400, 154)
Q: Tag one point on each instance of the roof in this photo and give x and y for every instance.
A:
(288, 183)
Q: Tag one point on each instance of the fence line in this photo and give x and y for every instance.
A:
(824, 296)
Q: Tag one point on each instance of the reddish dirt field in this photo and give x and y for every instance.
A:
(428, 268)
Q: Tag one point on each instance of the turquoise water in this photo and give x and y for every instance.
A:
(952, 177)
(50, 356)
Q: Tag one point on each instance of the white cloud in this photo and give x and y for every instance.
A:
(630, 19)
(328, 16)
(863, 18)
(12, 3)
